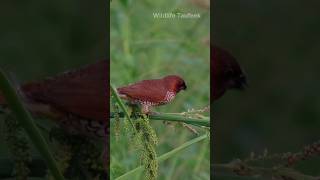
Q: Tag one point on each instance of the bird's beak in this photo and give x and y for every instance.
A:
(184, 87)
(241, 83)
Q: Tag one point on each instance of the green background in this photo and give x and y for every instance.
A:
(144, 48)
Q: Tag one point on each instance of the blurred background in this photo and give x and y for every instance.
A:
(145, 48)
(43, 38)
(277, 43)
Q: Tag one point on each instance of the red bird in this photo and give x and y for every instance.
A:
(226, 72)
(77, 100)
(153, 92)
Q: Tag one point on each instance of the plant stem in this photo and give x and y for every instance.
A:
(181, 118)
(26, 121)
(164, 157)
(201, 156)
(115, 94)
(178, 118)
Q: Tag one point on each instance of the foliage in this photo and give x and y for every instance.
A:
(18, 146)
(145, 48)
(27, 123)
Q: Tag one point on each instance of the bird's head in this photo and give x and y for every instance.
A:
(235, 78)
(175, 83)
(227, 73)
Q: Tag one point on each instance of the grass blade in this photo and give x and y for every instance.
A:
(115, 94)
(165, 156)
(25, 120)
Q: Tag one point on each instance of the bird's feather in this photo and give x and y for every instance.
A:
(153, 90)
(82, 92)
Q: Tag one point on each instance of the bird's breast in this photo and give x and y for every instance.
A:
(166, 99)
(169, 96)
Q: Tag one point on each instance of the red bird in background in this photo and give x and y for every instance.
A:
(77, 100)
(153, 92)
(226, 72)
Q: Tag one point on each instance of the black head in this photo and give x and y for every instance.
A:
(235, 79)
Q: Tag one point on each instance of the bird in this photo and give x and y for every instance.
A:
(226, 73)
(152, 92)
(77, 100)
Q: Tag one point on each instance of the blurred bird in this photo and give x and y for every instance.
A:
(153, 92)
(226, 72)
(76, 100)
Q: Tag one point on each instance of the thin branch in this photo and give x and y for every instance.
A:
(115, 94)
(178, 118)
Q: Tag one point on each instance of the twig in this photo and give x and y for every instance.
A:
(115, 94)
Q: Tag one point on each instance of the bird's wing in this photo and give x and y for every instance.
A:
(82, 92)
(146, 90)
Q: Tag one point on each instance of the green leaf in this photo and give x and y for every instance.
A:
(164, 157)
(27, 123)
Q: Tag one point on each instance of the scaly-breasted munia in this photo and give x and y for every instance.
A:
(153, 92)
(226, 72)
(77, 100)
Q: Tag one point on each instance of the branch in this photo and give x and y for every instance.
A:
(115, 94)
(205, 121)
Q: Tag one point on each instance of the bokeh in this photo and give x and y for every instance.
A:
(39, 39)
(277, 43)
(143, 47)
